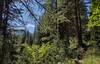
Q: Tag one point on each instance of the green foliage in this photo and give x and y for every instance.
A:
(94, 19)
(44, 54)
(73, 43)
(51, 48)
(51, 54)
(94, 22)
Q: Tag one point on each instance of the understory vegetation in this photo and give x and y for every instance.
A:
(66, 33)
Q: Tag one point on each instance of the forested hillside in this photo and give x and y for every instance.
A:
(49, 32)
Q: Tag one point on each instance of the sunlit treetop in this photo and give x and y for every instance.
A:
(94, 19)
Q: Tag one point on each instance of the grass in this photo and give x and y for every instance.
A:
(92, 56)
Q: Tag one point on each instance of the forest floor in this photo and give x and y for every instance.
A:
(92, 56)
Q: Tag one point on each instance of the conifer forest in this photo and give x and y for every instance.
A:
(49, 31)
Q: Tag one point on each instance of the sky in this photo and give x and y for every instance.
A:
(87, 4)
(26, 18)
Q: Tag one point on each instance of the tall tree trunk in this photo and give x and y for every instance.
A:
(4, 18)
(78, 23)
(79, 32)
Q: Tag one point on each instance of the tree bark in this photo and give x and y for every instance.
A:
(78, 23)
(78, 32)
(5, 46)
